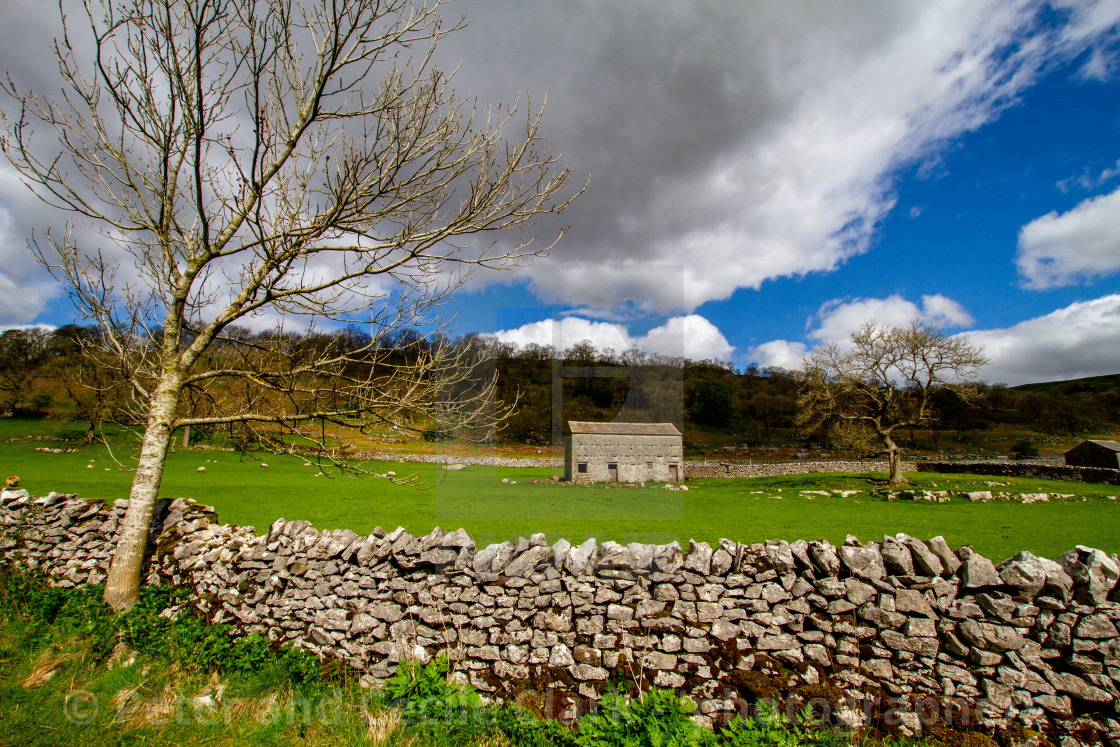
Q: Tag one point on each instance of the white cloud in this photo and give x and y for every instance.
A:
(567, 332)
(1072, 247)
(836, 319)
(945, 311)
(779, 354)
(690, 336)
(25, 287)
(1082, 339)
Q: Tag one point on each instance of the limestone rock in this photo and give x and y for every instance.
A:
(560, 552)
(641, 555)
(526, 562)
(560, 656)
(780, 556)
(911, 601)
(991, 637)
(864, 562)
(1025, 574)
(699, 559)
(484, 559)
(925, 561)
(897, 557)
(587, 672)
(457, 539)
(721, 562)
(581, 559)
(668, 558)
(976, 570)
(1077, 687)
(824, 557)
(940, 548)
(1091, 569)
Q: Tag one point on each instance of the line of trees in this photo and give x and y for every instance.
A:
(62, 373)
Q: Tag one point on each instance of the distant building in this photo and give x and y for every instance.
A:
(623, 452)
(1095, 454)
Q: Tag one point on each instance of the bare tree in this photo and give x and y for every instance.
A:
(276, 158)
(884, 381)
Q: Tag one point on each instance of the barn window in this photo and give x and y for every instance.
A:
(581, 467)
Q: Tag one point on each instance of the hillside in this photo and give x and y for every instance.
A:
(1073, 386)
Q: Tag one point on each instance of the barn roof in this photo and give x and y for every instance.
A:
(1110, 445)
(624, 429)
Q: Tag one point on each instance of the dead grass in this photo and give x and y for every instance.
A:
(382, 723)
(53, 658)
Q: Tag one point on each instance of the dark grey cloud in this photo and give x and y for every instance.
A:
(731, 143)
(746, 141)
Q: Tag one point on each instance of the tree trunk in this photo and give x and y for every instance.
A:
(122, 588)
(894, 454)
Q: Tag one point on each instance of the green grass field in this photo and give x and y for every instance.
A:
(746, 510)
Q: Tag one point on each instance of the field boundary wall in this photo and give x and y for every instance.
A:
(900, 626)
(1038, 471)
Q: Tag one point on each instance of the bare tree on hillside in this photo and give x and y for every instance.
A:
(884, 381)
(276, 158)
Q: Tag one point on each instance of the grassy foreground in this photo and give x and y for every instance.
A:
(746, 510)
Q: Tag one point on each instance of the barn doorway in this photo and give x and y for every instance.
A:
(672, 473)
(612, 473)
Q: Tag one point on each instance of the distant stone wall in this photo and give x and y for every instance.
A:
(1026, 469)
(713, 468)
(488, 461)
(902, 627)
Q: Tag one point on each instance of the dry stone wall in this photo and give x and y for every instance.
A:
(930, 632)
(1038, 470)
(712, 468)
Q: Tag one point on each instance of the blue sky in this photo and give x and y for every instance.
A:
(766, 176)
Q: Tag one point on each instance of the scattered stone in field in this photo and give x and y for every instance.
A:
(453, 467)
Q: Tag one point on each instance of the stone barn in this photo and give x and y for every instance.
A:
(1095, 454)
(623, 452)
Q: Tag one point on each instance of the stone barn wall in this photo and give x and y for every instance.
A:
(1104, 454)
(640, 458)
(902, 627)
